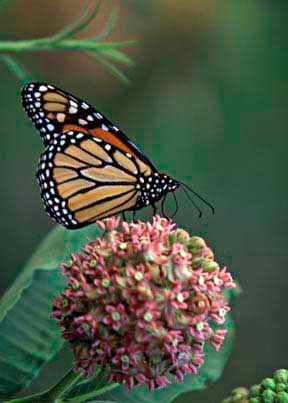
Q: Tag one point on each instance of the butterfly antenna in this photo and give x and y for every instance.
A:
(199, 197)
(192, 201)
(176, 204)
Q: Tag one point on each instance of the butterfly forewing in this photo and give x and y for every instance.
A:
(82, 179)
(54, 111)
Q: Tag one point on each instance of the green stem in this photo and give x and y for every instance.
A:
(53, 393)
(91, 395)
(37, 397)
(63, 385)
(40, 44)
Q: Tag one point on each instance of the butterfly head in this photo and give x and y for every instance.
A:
(154, 187)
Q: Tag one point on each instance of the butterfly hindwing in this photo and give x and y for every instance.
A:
(83, 178)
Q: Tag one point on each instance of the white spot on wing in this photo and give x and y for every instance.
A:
(72, 110)
(82, 122)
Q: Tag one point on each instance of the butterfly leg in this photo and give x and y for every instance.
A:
(123, 216)
(176, 205)
(134, 215)
(154, 209)
(162, 208)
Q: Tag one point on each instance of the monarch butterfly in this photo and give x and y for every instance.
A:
(90, 169)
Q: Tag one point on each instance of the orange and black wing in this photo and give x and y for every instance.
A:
(54, 111)
(89, 169)
(84, 178)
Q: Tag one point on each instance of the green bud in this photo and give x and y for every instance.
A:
(124, 358)
(93, 263)
(195, 243)
(180, 297)
(268, 383)
(115, 316)
(199, 326)
(282, 397)
(198, 261)
(268, 396)
(99, 351)
(172, 238)
(280, 387)
(281, 375)
(138, 276)
(105, 282)
(181, 235)
(64, 302)
(227, 400)
(85, 327)
(238, 398)
(75, 285)
(210, 266)
(122, 245)
(240, 392)
(147, 317)
(255, 390)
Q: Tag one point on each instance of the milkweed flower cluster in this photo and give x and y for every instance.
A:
(140, 302)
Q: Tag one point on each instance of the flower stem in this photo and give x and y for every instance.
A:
(52, 394)
(91, 395)
(63, 385)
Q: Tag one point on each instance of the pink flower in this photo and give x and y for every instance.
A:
(140, 302)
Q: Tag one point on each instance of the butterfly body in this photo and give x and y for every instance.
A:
(89, 169)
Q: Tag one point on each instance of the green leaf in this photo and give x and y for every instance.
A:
(79, 23)
(108, 28)
(114, 70)
(118, 56)
(210, 372)
(28, 337)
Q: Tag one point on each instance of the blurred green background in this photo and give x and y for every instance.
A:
(208, 104)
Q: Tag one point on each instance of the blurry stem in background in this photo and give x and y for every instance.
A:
(62, 40)
(16, 68)
(49, 44)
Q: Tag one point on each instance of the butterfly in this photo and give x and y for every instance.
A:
(90, 169)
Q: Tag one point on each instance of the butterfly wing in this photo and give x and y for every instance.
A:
(54, 111)
(83, 178)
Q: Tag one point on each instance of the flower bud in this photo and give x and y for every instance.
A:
(280, 387)
(281, 375)
(282, 397)
(255, 390)
(209, 266)
(268, 396)
(268, 383)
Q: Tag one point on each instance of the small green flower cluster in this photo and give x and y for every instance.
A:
(270, 390)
